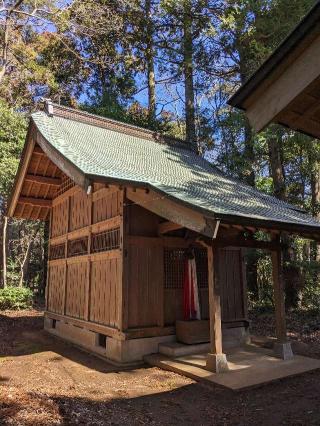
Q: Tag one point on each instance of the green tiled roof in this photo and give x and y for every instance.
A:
(172, 169)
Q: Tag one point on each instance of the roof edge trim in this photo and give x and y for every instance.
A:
(226, 218)
(21, 172)
(85, 117)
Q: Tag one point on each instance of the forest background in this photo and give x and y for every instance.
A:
(165, 65)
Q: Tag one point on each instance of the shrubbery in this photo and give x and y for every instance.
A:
(15, 298)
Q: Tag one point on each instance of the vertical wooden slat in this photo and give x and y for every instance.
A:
(244, 284)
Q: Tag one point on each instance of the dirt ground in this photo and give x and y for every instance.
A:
(44, 381)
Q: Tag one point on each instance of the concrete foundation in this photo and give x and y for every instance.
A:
(117, 351)
(133, 350)
(126, 351)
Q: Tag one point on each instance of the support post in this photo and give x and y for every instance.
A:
(282, 347)
(216, 359)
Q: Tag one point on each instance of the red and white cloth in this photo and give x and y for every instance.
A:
(191, 306)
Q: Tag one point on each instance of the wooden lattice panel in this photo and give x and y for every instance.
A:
(59, 223)
(174, 267)
(78, 247)
(107, 206)
(57, 251)
(77, 278)
(79, 210)
(105, 285)
(56, 288)
(66, 184)
(104, 241)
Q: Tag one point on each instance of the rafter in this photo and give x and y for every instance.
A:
(35, 201)
(43, 180)
(165, 227)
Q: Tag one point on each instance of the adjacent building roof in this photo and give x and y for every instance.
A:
(308, 27)
(286, 88)
(105, 150)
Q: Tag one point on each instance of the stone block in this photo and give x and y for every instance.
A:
(283, 350)
(217, 363)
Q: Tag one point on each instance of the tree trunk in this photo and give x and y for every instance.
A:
(249, 155)
(150, 64)
(5, 46)
(188, 75)
(291, 273)
(25, 264)
(276, 168)
(315, 199)
(4, 250)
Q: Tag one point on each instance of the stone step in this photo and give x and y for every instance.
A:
(175, 349)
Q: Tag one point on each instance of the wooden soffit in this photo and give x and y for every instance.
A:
(293, 97)
(40, 177)
(178, 214)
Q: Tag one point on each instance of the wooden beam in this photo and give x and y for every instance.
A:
(277, 96)
(137, 333)
(216, 359)
(97, 328)
(278, 289)
(250, 243)
(43, 180)
(214, 306)
(165, 227)
(38, 150)
(35, 201)
(173, 211)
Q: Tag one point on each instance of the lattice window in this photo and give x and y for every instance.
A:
(174, 267)
(66, 184)
(104, 241)
(78, 247)
(57, 251)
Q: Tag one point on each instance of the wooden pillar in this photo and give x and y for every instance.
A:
(216, 359)
(282, 347)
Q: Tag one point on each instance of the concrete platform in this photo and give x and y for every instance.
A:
(248, 366)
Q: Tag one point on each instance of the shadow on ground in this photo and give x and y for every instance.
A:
(44, 381)
(24, 335)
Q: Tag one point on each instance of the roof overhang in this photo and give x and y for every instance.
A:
(286, 88)
(41, 172)
(44, 171)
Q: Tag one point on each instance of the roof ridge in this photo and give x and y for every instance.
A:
(85, 117)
